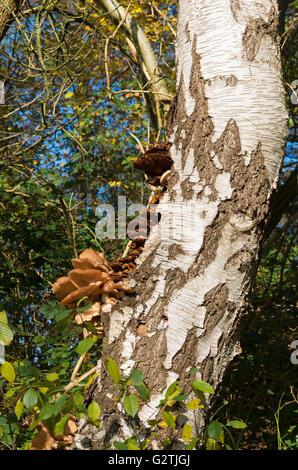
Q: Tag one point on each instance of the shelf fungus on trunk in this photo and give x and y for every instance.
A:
(155, 162)
(95, 279)
(99, 282)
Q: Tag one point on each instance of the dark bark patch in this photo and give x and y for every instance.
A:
(228, 146)
(187, 191)
(206, 368)
(215, 302)
(235, 9)
(251, 187)
(155, 314)
(175, 279)
(198, 125)
(210, 243)
(175, 250)
(149, 357)
(173, 180)
(145, 277)
(242, 260)
(223, 80)
(187, 33)
(255, 30)
(186, 358)
(231, 80)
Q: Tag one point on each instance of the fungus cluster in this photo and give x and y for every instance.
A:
(94, 279)
(156, 163)
(99, 282)
(46, 440)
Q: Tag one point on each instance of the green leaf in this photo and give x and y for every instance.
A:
(85, 345)
(192, 443)
(211, 444)
(131, 404)
(30, 398)
(113, 370)
(59, 403)
(52, 377)
(78, 400)
(46, 412)
(152, 422)
(133, 447)
(237, 424)
(143, 392)
(90, 327)
(10, 392)
(19, 408)
(8, 372)
(214, 430)
(6, 335)
(171, 389)
(3, 317)
(167, 442)
(180, 397)
(60, 426)
(94, 411)
(120, 445)
(187, 432)
(169, 419)
(137, 377)
(202, 386)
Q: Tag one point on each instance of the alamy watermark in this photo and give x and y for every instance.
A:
(181, 220)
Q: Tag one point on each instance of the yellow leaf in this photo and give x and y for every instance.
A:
(187, 432)
(19, 408)
(3, 317)
(211, 444)
(194, 404)
(163, 424)
(7, 371)
(69, 94)
(132, 447)
(90, 380)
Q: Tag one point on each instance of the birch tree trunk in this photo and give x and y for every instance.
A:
(193, 279)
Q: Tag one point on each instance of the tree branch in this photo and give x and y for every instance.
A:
(146, 55)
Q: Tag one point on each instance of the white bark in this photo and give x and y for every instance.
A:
(228, 139)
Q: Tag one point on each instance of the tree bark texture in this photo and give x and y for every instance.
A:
(193, 280)
(7, 9)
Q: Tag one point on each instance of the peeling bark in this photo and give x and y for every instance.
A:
(193, 279)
